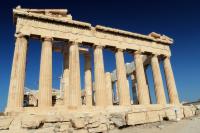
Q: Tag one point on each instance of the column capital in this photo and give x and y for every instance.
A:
(47, 38)
(21, 35)
(74, 42)
(98, 46)
(119, 49)
(138, 52)
(154, 55)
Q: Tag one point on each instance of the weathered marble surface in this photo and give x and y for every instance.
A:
(91, 121)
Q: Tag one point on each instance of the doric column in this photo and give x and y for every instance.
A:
(45, 79)
(124, 95)
(147, 83)
(158, 83)
(143, 93)
(88, 79)
(171, 85)
(17, 79)
(117, 92)
(108, 88)
(134, 91)
(100, 89)
(74, 73)
(65, 78)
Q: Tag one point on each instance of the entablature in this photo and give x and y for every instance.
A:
(33, 25)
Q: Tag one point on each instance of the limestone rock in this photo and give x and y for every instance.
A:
(97, 119)
(179, 113)
(62, 127)
(31, 121)
(197, 107)
(153, 116)
(45, 130)
(78, 122)
(94, 124)
(5, 123)
(118, 119)
(136, 118)
(197, 112)
(80, 131)
(187, 111)
(100, 128)
(170, 114)
(56, 118)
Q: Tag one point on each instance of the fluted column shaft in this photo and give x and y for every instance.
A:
(158, 83)
(74, 73)
(108, 88)
(100, 89)
(45, 79)
(171, 85)
(124, 95)
(143, 93)
(117, 92)
(66, 75)
(88, 80)
(134, 91)
(17, 79)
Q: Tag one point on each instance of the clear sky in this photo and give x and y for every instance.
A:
(179, 19)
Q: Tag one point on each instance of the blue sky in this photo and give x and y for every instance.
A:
(177, 19)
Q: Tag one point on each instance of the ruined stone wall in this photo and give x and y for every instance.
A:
(92, 121)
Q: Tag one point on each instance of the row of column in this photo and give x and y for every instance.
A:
(71, 77)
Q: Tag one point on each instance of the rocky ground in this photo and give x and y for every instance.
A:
(189, 125)
(114, 119)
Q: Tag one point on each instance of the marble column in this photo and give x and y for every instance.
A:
(171, 85)
(134, 90)
(124, 95)
(65, 78)
(158, 83)
(45, 79)
(99, 73)
(108, 88)
(117, 92)
(17, 79)
(88, 80)
(147, 83)
(74, 76)
(143, 93)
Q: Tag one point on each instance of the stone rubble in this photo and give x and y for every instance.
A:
(94, 122)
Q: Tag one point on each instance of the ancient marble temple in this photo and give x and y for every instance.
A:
(58, 32)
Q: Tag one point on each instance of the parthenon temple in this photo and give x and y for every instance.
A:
(94, 99)
(59, 32)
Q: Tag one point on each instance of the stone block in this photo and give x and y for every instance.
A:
(197, 107)
(100, 128)
(94, 124)
(5, 122)
(118, 119)
(56, 118)
(170, 114)
(162, 114)
(80, 131)
(62, 127)
(179, 113)
(31, 121)
(153, 116)
(78, 123)
(197, 112)
(188, 112)
(136, 118)
(45, 130)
